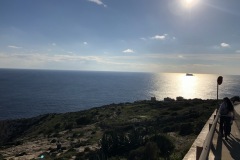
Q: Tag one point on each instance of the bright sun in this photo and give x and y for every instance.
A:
(189, 3)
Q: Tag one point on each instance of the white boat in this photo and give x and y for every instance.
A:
(189, 74)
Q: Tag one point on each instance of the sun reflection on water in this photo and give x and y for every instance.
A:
(188, 85)
(178, 84)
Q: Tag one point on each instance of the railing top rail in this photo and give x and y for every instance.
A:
(208, 140)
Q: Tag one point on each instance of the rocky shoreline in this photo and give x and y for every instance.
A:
(94, 133)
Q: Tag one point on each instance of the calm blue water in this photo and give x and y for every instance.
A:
(27, 93)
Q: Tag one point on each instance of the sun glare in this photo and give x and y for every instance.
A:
(189, 3)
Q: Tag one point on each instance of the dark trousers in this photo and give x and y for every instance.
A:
(225, 125)
(222, 120)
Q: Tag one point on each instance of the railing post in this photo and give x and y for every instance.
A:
(198, 152)
(210, 125)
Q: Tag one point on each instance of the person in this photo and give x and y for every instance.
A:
(229, 118)
(222, 113)
(226, 112)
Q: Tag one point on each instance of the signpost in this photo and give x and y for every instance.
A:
(219, 82)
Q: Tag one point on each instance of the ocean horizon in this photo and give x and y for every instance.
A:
(26, 93)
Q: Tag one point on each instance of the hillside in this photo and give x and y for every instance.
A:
(117, 131)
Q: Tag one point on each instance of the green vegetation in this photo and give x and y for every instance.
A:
(141, 130)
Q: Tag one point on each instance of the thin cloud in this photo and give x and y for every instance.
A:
(50, 58)
(203, 56)
(98, 2)
(14, 47)
(180, 56)
(85, 43)
(225, 45)
(237, 51)
(54, 44)
(159, 37)
(128, 51)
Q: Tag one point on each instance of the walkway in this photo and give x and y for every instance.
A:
(227, 149)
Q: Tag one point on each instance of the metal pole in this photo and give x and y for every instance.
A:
(217, 98)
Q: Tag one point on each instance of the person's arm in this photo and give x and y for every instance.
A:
(220, 107)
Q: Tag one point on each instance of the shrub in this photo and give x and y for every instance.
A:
(186, 129)
(176, 157)
(56, 135)
(116, 143)
(84, 120)
(151, 151)
(1, 157)
(69, 126)
(53, 141)
(57, 126)
(87, 149)
(198, 127)
(164, 143)
(169, 129)
(165, 113)
(137, 154)
(113, 143)
(174, 114)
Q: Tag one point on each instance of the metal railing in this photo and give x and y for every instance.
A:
(207, 143)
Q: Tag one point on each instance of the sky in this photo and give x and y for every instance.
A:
(195, 36)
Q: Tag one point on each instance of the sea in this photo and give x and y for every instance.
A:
(29, 93)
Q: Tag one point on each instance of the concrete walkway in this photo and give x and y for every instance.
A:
(237, 115)
(227, 149)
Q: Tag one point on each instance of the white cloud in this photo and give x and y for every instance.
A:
(144, 39)
(85, 43)
(14, 47)
(128, 51)
(225, 45)
(180, 56)
(99, 2)
(159, 37)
